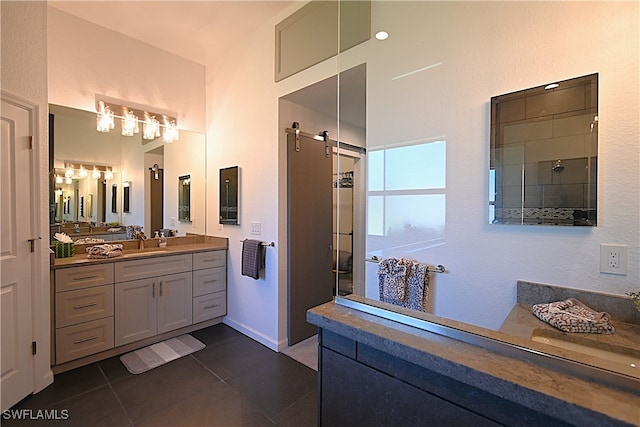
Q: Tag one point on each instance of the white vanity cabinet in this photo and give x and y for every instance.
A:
(157, 302)
(113, 306)
(209, 285)
(83, 311)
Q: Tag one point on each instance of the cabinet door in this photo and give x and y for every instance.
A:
(135, 317)
(174, 302)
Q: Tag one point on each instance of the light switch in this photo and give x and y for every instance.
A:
(256, 228)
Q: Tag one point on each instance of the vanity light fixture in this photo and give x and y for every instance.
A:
(151, 128)
(83, 172)
(108, 175)
(69, 172)
(104, 120)
(68, 181)
(132, 116)
(130, 124)
(170, 131)
(95, 174)
(551, 86)
(59, 179)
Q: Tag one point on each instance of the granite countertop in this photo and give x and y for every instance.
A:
(562, 395)
(175, 246)
(522, 323)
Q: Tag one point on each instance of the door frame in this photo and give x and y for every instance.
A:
(40, 276)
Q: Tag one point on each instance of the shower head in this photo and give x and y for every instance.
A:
(558, 167)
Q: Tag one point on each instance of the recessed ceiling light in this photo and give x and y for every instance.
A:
(382, 35)
(551, 86)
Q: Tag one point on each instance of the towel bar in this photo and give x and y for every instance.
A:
(272, 244)
(438, 269)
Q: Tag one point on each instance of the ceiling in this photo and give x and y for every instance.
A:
(201, 31)
(197, 30)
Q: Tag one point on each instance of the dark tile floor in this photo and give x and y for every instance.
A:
(234, 381)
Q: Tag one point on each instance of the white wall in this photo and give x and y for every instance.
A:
(86, 59)
(485, 49)
(24, 75)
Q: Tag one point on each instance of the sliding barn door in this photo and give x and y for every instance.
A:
(310, 232)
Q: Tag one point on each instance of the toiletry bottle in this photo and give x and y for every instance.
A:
(155, 236)
(163, 241)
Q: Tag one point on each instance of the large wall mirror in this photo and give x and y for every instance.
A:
(90, 168)
(544, 154)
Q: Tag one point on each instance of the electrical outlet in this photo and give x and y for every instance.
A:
(613, 259)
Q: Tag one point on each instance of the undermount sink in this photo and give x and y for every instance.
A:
(150, 251)
(605, 355)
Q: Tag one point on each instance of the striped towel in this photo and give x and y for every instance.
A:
(253, 258)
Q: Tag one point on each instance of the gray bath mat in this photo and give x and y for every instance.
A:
(158, 354)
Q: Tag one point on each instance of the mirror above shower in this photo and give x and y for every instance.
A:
(544, 154)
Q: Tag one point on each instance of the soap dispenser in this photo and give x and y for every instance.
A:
(163, 240)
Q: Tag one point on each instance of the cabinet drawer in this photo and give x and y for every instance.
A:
(210, 259)
(84, 339)
(68, 279)
(209, 306)
(209, 281)
(83, 305)
(152, 267)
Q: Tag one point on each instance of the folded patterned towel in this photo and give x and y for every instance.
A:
(104, 251)
(571, 315)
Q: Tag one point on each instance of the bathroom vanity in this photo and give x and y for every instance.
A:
(379, 371)
(104, 307)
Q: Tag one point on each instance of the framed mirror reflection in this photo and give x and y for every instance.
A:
(544, 154)
(229, 195)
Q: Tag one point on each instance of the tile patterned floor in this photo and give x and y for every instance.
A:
(234, 381)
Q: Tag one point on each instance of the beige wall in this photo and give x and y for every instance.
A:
(86, 59)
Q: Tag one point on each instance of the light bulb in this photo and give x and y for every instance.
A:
(108, 175)
(83, 172)
(95, 174)
(170, 132)
(104, 120)
(130, 124)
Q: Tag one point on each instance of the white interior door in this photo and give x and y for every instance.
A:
(16, 258)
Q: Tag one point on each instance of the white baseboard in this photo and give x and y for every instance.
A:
(253, 334)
